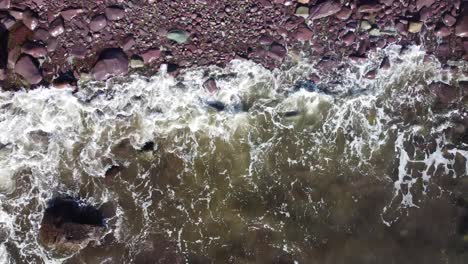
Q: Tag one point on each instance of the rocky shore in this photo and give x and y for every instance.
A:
(59, 42)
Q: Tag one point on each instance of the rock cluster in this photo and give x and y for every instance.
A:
(66, 36)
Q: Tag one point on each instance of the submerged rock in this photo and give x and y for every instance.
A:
(68, 225)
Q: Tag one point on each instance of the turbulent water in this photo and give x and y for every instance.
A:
(285, 172)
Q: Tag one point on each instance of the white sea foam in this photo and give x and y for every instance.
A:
(53, 137)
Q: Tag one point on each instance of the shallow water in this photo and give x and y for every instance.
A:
(363, 173)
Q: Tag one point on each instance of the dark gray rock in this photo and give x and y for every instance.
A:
(68, 225)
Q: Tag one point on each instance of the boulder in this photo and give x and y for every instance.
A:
(68, 225)
(28, 68)
(111, 62)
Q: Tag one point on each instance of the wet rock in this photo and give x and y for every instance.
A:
(210, 85)
(98, 23)
(65, 80)
(151, 55)
(461, 29)
(111, 62)
(69, 14)
(219, 106)
(445, 93)
(56, 27)
(178, 35)
(114, 13)
(30, 20)
(37, 50)
(113, 171)
(325, 9)
(365, 25)
(385, 64)
(27, 67)
(266, 40)
(148, 146)
(69, 225)
(5, 4)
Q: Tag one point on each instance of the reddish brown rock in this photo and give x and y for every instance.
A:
(449, 20)
(114, 13)
(5, 4)
(69, 14)
(98, 23)
(372, 8)
(128, 43)
(349, 39)
(461, 29)
(78, 51)
(56, 27)
(210, 85)
(302, 34)
(27, 67)
(277, 51)
(344, 14)
(422, 3)
(443, 32)
(30, 20)
(111, 62)
(151, 55)
(325, 9)
(34, 49)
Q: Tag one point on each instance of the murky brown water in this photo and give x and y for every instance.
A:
(279, 176)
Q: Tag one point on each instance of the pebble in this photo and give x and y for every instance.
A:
(302, 34)
(344, 14)
(136, 62)
(443, 32)
(302, 11)
(128, 43)
(449, 20)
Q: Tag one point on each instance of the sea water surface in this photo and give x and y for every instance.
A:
(268, 169)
